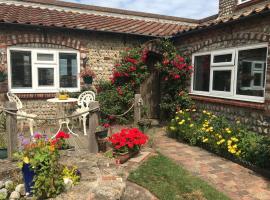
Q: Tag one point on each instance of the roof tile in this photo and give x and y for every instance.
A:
(19, 14)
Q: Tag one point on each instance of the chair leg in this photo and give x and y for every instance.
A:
(84, 124)
(31, 123)
(21, 126)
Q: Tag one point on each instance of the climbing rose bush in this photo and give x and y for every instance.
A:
(128, 140)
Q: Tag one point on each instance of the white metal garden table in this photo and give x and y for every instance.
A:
(62, 112)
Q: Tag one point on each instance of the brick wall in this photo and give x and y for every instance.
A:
(252, 31)
(226, 7)
(102, 49)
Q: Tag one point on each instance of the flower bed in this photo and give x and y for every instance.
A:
(127, 143)
(218, 135)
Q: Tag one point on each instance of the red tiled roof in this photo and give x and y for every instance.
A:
(27, 15)
(231, 18)
(108, 10)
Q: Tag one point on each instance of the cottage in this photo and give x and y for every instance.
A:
(45, 44)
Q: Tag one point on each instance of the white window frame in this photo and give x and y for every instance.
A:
(43, 64)
(243, 1)
(234, 68)
(216, 92)
(223, 52)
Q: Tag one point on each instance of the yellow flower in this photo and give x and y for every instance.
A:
(228, 130)
(177, 118)
(203, 129)
(204, 111)
(187, 110)
(189, 119)
(194, 110)
(237, 122)
(191, 125)
(208, 113)
(205, 140)
(26, 160)
(182, 122)
(172, 128)
(229, 142)
(181, 112)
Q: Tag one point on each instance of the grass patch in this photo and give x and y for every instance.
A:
(168, 181)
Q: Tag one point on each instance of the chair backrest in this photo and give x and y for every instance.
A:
(85, 98)
(15, 98)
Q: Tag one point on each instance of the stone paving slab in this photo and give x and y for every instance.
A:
(141, 157)
(236, 181)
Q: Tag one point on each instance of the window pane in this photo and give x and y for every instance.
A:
(223, 58)
(251, 72)
(201, 73)
(222, 80)
(45, 77)
(44, 57)
(68, 70)
(21, 69)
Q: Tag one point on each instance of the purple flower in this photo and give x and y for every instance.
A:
(25, 141)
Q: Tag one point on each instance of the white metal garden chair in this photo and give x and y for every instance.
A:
(14, 98)
(83, 102)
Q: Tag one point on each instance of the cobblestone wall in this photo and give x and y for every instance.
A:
(248, 32)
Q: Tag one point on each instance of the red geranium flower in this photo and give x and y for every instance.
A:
(62, 135)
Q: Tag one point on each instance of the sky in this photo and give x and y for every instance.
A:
(194, 9)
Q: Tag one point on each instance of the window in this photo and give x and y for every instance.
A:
(243, 1)
(40, 70)
(235, 73)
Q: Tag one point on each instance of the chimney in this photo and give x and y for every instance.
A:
(226, 7)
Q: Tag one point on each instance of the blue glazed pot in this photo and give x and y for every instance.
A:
(28, 176)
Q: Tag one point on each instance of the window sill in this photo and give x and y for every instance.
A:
(237, 103)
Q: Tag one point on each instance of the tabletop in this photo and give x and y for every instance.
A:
(56, 100)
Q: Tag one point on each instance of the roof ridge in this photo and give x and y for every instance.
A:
(110, 10)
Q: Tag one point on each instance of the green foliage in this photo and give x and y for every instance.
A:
(218, 135)
(168, 181)
(112, 103)
(72, 174)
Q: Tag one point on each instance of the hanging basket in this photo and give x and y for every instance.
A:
(88, 79)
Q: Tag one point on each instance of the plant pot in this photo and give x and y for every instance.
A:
(3, 87)
(122, 158)
(88, 79)
(63, 97)
(102, 145)
(28, 177)
(3, 153)
(102, 134)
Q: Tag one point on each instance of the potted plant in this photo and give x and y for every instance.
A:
(3, 137)
(63, 95)
(87, 75)
(127, 143)
(60, 141)
(102, 131)
(3, 146)
(42, 173)
(3, 78)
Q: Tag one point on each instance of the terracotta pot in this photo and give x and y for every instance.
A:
(122, 158)
(3, 87)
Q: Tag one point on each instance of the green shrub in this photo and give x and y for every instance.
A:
(219, 135)
(111, 103)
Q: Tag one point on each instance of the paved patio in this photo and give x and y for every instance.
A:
(234, 180)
